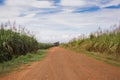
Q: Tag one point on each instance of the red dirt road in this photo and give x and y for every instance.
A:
(61, 64)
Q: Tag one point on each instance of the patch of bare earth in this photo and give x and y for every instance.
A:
(61, 64)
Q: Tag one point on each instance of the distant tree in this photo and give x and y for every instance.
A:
(56, 44)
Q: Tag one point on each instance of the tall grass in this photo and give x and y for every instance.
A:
(15, 42)
(102, 41)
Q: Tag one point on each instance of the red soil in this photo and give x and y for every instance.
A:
(61, 64)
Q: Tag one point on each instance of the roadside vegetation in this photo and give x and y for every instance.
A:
(45, 45)
(18, 46)
(15, 42)
(103, 44)
(14, 64)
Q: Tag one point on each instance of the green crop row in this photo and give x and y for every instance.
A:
(14, 43)
(102, 41)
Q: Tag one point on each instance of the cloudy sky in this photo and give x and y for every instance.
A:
(61, 20)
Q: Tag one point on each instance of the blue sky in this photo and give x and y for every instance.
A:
(61, 20)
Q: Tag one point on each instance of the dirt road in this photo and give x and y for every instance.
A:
(61, 64)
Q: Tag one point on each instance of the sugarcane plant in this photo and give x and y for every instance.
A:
(15, 41)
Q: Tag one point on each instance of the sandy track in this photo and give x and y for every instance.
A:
(61, 64)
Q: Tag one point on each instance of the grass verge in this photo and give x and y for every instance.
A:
(13, 64)
(102, 57)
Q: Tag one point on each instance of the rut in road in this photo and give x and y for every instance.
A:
(61, 64)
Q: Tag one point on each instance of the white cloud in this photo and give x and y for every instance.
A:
(14, 8)
(61, 26)
(29, 3)
(73, 3)
(104, 3)
(87, 3)
(64, 26)
(43, 4)
(30, 15)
